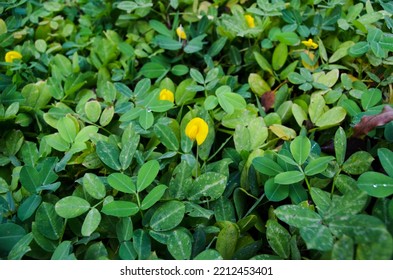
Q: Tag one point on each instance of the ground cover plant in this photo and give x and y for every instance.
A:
(188, 129)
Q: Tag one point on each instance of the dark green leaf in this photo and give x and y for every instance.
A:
(10, 234)
(298, 216)
(142, 244)
(109, 154)
(207, 187)
(28, 207)
(49, 224)
(318, 238)
(267, 166)
(168, 216)
(179, 244)
(386, 157)
(278, 238)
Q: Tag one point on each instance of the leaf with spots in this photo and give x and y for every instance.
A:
(207, 187)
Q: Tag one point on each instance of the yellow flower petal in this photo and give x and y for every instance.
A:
(250, 21)
(310, 44)
(11, 55)
(181, 33)
(166, 94)
(197, 129)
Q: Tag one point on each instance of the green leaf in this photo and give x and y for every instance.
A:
(147, 174)
(350, 203)
(124, 229)
(21, 247)
(10, 234)
(195, 45)
(182, 94)
(358, 163)
(67, 129)
(120, 208)
(376, 184)
(300, 149)
(168, 43)
(127, 251)
(207, 187)
(321, 199)
(263, 63)
(289, 177)
(209, 254)
(49, 224)
(288, 38)
(227, 240)
(94, 186)
(274, 191)
(160, 28)
(280, 56)
(30, 178)
(194, 210)
(92, 110)
(386, 158)
(146, 119)
(167, 136)
(343, 249)
(71, 207)
(142, 244)
(130, 141)
(168, 216)
(217, 46)
(230, 101)
(318, 238)
(370, 98)
(91, 222)
(109, 154)
(316, 107)
(153, 70)
(332, 117)
(359, 49)
(121, 182)
(278, 238)
(340, 145)
(197, 76)
(180, 244)
(153, 196)
(299, 114)
(28, 207)
(62, 251)
(179, 70)
(298, 216)
(267, 166)
(318, 165)
(362, 228)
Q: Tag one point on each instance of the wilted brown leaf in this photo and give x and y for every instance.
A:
(267, 100)
(368, 123)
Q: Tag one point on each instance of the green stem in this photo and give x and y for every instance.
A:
(307, 183)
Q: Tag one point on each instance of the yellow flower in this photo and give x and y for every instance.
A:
(180, 33)
(310, 44)
(11, 55)
(166, 94)
(197, 129)
(250, 21)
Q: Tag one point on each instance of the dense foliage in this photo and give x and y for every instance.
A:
(189, 129)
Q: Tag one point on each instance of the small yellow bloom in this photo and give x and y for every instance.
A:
(181, 33)
(310, 44)
(250, 21)
(197, 129)
(166, 94)
(11, 55)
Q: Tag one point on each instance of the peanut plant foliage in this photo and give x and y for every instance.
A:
(189, 129)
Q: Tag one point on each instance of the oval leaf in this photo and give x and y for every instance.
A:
(91, 222)
(120, 208)
(147, 174)
(376, 184)
(71, 207)
(168, 216)
(207, 187)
